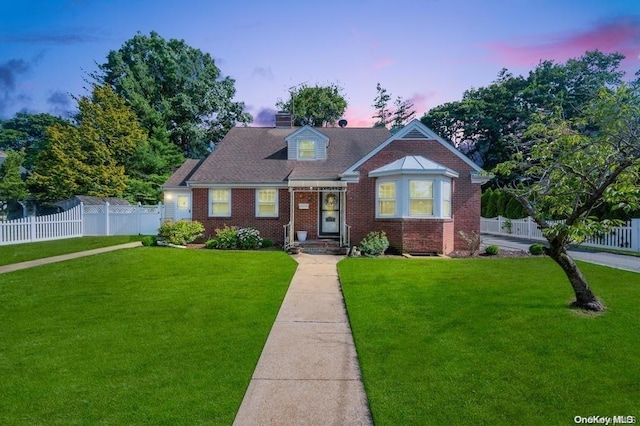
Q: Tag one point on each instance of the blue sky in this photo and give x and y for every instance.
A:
(427, 51)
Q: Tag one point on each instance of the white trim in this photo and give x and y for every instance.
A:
(413, 125)
(250, 185)
(317, 184)
(295, 134)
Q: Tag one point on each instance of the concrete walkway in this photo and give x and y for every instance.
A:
(308, 372)
(63, 257)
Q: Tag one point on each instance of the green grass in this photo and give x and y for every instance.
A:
(491, 341)
(137, 336)
(17, 253)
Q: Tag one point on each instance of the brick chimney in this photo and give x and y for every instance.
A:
(284, 120)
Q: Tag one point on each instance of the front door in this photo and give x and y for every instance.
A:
(329, 214)
(183, 207)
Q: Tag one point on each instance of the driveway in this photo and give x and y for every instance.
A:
(619, 261)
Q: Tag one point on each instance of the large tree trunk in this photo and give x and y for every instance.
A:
(585, 299)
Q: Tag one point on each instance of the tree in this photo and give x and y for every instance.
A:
(576, 165)
(174, 89)
(26, 132)
(317, 106)
(489, 123)
(89, 158)
(380, 103)
(13, 189)
(403, 113)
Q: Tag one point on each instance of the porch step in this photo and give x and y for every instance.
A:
(321, 246)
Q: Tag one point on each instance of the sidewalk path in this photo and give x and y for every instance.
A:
(308, 372)
(619, 261)
(44, 261)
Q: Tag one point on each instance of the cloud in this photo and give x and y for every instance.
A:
(10, 71)
(618, 35)
(262, 72)
(420, 102)
(60, 103)
(357, 118)
(266, 117)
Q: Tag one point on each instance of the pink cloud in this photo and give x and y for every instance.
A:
(420, 102)
(358, 118)
(621, 35)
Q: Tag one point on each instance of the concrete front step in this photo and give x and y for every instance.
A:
(322, 246)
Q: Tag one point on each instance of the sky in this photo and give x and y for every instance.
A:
(425, 51)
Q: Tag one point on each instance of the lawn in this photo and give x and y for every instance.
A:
(138, 336)
(491, 341)
(16, 253)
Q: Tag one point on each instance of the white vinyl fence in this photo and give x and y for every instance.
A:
(626, 237)
(84, 221)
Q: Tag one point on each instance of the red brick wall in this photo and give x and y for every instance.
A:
(243, 213)
(420, 235)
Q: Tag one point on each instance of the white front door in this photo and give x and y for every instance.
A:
(183, 207)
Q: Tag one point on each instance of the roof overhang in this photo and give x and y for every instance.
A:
(317, 184)
(414, 165)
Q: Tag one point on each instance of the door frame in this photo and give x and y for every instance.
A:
(338, 216)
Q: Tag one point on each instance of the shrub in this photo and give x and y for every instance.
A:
(536, 249)
(374, 244)
(249, 239)
(492, 250)
(226, 238)
(485, 201)
(181, 232)
(266, 243)
(149, 241)
(233, 238)
(472, 240)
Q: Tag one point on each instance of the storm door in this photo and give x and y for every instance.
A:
(329, 214)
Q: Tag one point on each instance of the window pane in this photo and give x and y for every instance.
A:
(387, 190)
(266, 210)
(267, 195)
(220, 195)
(220, 209)
(420, 207)
(387, 208)
(307, 149)
(421, 189)
(446, 208)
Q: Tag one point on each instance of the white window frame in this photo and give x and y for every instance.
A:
(403, 196)
(432, 198)
(379, 199)
(212, 202)
(447, 188)
(274, 203)
(300, 150)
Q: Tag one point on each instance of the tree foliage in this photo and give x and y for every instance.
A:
(576, 165)
(12, 186)
(26, 132)
(174, 89)
(489, 123)
(317, 106)
(402, 113)
(89, 157)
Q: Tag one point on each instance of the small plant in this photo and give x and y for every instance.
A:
(374, 244)
(149, 241)
(181, 232)
(492, 250)
(472, 240)
(508, 226)
(267, 243)
(249, 239)
(226, 238)
(536, 249)
(233, 238)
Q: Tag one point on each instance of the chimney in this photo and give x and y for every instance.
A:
(284, 120)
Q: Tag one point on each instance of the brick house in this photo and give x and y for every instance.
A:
(333, 183)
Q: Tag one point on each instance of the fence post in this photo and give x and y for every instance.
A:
(635, 234)
(32, 228)
(81, 219)
(106, 218)
(138, 209)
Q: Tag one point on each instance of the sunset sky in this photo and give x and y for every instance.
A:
(427, 51)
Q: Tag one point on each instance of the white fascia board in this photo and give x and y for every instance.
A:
(420, 172)
(237, 185)
(320, 135)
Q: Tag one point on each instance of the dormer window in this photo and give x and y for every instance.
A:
(306, 150)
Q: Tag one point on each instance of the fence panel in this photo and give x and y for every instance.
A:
(122, 220)
(622, 237)
(42, 228)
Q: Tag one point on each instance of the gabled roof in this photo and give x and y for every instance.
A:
(415, 130)
(179, 177)
(322, 137)
(413, 164)
(258, 155)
